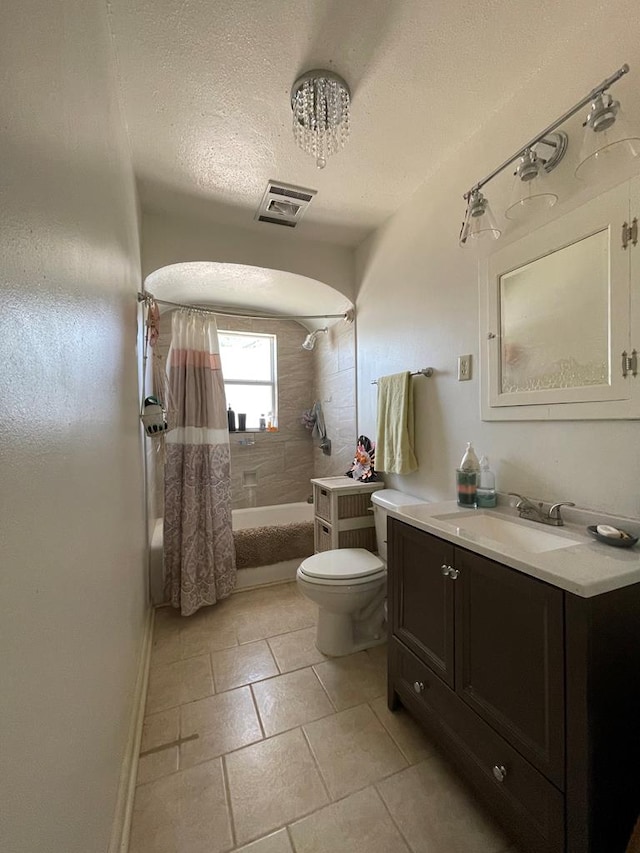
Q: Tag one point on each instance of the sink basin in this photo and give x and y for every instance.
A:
(507, 532)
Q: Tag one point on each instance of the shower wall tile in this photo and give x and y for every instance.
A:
(335, 386)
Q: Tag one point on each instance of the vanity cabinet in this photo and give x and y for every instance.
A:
(533, 692)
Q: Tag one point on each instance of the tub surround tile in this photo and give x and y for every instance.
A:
(353, 750)
(290, 700)
(358, 824)
(272, 783)
(223, 722)
(183, 813)
(296, 650)
(176, 683)
(278, 842)
(242, 665)
(410, 739)
(351, 680)
(436, 813)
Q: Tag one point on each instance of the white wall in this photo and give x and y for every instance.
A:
(72, 541)
(168, 239)
(417, 306)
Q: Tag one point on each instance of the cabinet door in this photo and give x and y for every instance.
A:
(421, 597)
(510, 657)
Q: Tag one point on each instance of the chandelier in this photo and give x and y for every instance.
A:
(320, 103)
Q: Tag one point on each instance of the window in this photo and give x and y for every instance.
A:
(249, 372)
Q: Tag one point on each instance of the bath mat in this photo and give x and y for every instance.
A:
(263, 546)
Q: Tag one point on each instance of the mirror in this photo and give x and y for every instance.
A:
(554, 319)
(557, 313)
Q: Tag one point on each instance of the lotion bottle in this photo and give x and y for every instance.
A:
(467, 478)
(486, 491)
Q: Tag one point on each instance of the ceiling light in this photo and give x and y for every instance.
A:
(479, 223)
(320, 103)
(608, 146)
(310, 341)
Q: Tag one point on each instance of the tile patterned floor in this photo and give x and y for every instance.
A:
(254, 741)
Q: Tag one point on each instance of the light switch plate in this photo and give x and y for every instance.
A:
(464, 367)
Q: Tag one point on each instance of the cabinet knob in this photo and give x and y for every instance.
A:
(418, 686)
(499, 772)
(453, 574)
(446, 570)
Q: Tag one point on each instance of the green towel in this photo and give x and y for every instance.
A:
(394, 441)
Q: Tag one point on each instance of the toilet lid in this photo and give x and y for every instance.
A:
(342, 564)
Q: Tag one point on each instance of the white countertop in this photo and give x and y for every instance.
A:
(587, 568)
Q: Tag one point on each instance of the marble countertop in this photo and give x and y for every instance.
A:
(586, 569)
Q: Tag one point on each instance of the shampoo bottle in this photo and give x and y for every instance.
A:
(486, 491)
(467, 478)
(231, 418)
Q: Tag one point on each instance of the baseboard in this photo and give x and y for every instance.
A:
(127, 787)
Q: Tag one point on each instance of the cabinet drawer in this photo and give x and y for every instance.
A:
(529, 806)
(354, 506)
(322, 502)
(323, 536)
(358, 537)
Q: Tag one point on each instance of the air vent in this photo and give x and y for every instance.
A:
(283, 204)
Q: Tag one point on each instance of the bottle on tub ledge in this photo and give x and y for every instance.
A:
(467, 477)
(486, 490)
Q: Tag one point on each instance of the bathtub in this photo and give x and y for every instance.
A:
(275, 516)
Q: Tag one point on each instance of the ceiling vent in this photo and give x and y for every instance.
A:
(283, 204)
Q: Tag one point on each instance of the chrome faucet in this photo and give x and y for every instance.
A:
(537, 512)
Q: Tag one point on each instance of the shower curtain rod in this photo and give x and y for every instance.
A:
(147, 297)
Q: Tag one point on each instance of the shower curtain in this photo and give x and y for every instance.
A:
(199, 554)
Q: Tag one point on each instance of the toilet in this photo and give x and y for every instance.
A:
(349, 585)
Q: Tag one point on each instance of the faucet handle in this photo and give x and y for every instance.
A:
(554, 510)
(522, 501)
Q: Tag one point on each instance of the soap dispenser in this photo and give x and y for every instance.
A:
(486, 491)
(467, 477)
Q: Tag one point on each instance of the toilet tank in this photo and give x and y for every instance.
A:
(382, 501)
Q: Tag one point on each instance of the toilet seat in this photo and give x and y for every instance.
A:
(342, 566)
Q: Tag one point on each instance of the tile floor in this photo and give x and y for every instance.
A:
(254, 741)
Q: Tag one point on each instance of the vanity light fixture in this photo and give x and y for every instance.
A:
(479, 223)
(542, 154)
(528, 195)
(608, 145)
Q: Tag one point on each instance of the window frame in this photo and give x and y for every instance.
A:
(272, 383)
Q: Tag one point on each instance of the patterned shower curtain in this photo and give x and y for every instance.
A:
(199, 554)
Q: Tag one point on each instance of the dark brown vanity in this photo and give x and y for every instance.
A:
(532, 691)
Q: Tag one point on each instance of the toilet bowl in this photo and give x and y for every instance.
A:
(349, 585)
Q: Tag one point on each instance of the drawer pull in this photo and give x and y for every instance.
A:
(446, 570)
(499, 772)
(418, 686)
(453, 574)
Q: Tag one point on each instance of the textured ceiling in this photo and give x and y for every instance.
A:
(206, 94)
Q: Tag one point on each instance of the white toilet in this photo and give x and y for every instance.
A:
(349, 585)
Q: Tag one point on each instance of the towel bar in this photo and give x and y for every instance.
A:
(426, 371)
